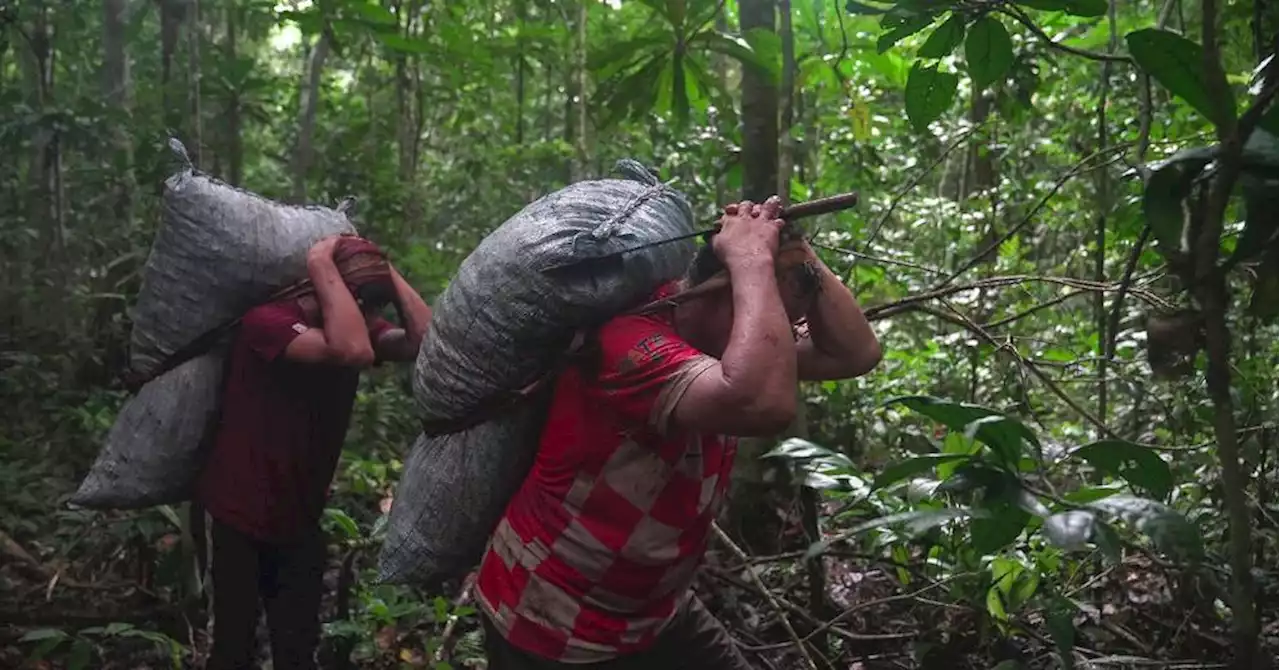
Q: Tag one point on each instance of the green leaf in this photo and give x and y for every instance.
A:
(1069, 530)
(117, 628)
(912, 466)
(405, 45)
(762, 54)
(902, 31)
(1062, 629)
(1073, 7)
(1178, 64)
(373, 13)
(988, 51)
(1170, 532)
(855, 7)
(1007, 437)
(797, 449)
(1108, 540)
(916, 521)
(999, 528)
(81, 652)
(944, 39)
(929, 93)
(1089, 494)
(1140, 466)
(44, 634)
(338, 519)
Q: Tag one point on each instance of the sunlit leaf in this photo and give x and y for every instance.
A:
(913, 466)
(1178, 64)
(988, 51)
(902, 31)
(1140, 466)
(1073, 7)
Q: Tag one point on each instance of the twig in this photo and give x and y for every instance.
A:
(446, 637)
(910, 186)
(1032, 310)
(1113, 320)
(1076, 170)
(876, 259)
(1025, 20)
(773, 600)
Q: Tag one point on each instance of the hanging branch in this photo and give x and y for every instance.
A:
(1021, 17)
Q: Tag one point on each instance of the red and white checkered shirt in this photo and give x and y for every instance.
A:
(600, 544)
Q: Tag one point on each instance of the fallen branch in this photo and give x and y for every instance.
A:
(773, 600)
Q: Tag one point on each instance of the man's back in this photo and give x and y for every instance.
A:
(281, 432)
(605, 535)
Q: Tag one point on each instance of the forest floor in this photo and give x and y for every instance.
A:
(878, 615)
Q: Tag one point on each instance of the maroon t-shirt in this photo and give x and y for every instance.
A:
(281, 429)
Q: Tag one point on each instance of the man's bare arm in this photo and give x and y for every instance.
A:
(841, 343)
(401, 344)
(751, 390)
(344, 338)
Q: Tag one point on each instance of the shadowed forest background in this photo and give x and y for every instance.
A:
(1066, 240)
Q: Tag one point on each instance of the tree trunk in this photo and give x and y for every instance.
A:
(235, 146)
(759, 112)
(787, 150)
(1103, 189)
(308, 100)
(521, 11)
(194, 148)
(752, 509)
(116, 91)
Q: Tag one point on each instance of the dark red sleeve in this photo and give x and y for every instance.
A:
(269, 329)
(644, 369)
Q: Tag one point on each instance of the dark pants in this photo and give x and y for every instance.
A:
(694, 640)
(288, 579)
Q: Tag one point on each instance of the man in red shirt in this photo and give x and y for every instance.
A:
(592, 562)
(287, 400)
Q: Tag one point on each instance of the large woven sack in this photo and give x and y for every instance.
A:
(219, 251)
(154, 451)
(502, 321)
(452, 493)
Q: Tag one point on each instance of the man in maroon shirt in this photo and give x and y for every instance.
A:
(590, 566)
(286, 404)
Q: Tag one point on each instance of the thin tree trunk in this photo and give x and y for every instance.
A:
(193, 72)
(787, 93)
(751, 508)
(580, 81)
(759, 112)
(1100, 223)
(116, 91)
(235, 146)
(309, 99)
(520, 70)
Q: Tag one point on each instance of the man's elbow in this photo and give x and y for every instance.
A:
(354, 357)
(767, 417)
(866, 360)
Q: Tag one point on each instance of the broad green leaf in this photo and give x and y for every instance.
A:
(1069, 530)
(44, 634)
(1073, 7)
(337, 518)
(1170, 532)
(1007, 437)
(46, 647)
(902, 31)
(1108, 540)
(759, 54)
(912, 466)
(81, 653)
(855, 7)
(929, 93)
(995, 607)
(1062, 628)
(373, 13)
(405, 45)
(916, 521)
(1178, 64)
(117, 628)
(798, 449)
(1140, 466)
(999, 528)
(1089, 494)
(988, 51)
(944, 39)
